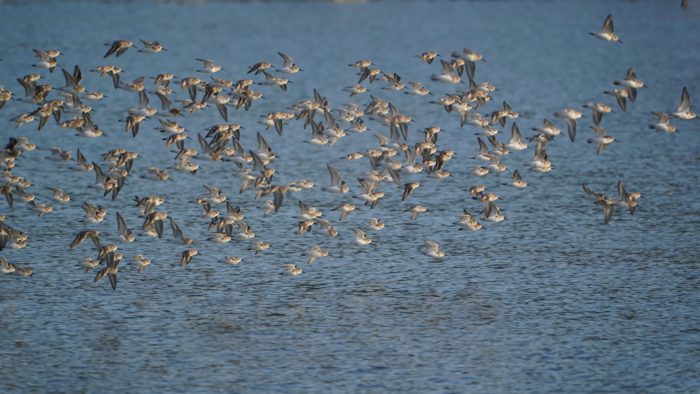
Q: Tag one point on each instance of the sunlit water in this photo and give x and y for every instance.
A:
(549, 300)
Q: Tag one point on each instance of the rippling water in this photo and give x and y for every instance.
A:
(548, 300)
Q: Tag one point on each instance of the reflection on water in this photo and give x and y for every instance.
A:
(548, 300)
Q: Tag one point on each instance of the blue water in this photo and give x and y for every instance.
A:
(549, 300)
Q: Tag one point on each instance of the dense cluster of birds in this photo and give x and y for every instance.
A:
(70, 107)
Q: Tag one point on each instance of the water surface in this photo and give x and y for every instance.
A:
(549, 300)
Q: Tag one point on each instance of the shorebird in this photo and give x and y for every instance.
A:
(448, 75)
(477, 190)
(683, 111)
(428, 56)
(548, 129)
(621, 96)
(292, 269)
(105, 251)
(29, 83)
(417, 89)
(540, 162)
(59, 195)
(503, 114)
(631, 84)
(112, 71)
(434, 250)
(408, 188)
(469, 221)
(416, 210)
(145, 205)
(518, 180)
(177, 233)
(5, 96)
(271, 80)
(344, 209)
(376, 224)
(598, 109)
(153, 223)
(627, 199)
(22, 119)
(570, 116)
(6, 267)
(23, 271)
(151, 46)
(47, 59)
(141, 262)
(118, 47)
(208, 66)
(289, 66)
(361, 237)
(124, 233)
(369, 73)
(516, 143)
(110, 270)
(355, 89)
(663, 123)
(607, 31)
(187, 256)
(492, 212)
(89, 263)
(260, 246)
(94, 213)
(469, 59)
(361, 64)
(232, 260)
(257, 68)
(606, 202)
(327, 227)
(338, 185)
(601, 138)
(94, 235)
(315, 252)
(73, 83)
(480, 171)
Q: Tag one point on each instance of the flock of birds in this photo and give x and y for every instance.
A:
(70, 107)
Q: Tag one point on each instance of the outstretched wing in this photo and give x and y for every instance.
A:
(685, 101)
(608, 25)
(288, 61)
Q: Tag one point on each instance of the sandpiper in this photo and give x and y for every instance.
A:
(361, 237)
(607, 32)
(118, 47)
(683, 111)
(601, 138)
(433, 249)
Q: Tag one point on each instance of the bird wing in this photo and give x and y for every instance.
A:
(685, 101)
(608, 25)
(288, 61)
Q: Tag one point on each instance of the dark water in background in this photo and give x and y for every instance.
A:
(549, 300)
